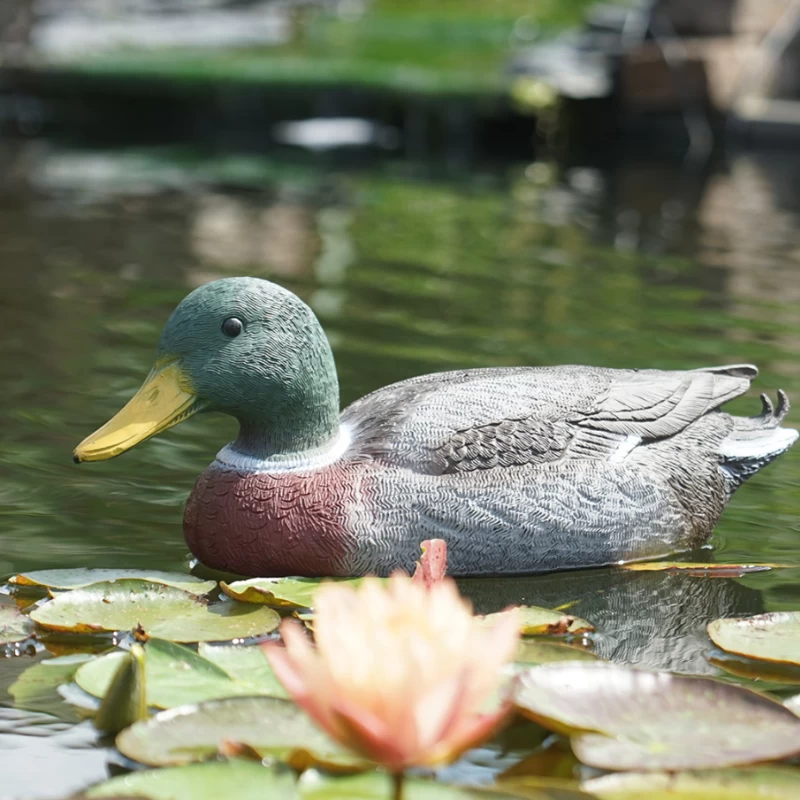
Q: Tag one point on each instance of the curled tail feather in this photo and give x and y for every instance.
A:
(755, 441)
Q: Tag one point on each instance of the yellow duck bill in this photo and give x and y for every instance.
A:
(163, 400)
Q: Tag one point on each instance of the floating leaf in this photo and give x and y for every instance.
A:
(248, 780)
(775, 674)
(177, 675)
(244, 780)
(67, 579)
(770, 637)
(161, 611)
(552, 761)
(306, 617)
(246, 664)
(269, 725)
(703, 570)
(545, 622)
(37, 687)
(14, 625)
(771, 783)
(537, 651)
(280, 592)
(377, 786)
(626, 719)
(125, 699)
(173, 678)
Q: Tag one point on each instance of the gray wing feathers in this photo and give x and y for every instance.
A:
(654, 405)
(482, 419)
(512, 442)
(749, 371)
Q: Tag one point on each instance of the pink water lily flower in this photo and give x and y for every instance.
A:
(401, 673)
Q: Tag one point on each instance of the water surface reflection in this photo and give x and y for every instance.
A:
(410, 272)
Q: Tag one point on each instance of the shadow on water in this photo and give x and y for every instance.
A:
(410, 271)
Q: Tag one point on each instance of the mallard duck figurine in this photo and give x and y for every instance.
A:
(520, 470)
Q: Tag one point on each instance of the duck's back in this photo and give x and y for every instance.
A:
(530, 469)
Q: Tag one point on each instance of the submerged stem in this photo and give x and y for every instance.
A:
(397, 785)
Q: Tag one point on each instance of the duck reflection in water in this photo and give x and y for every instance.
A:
(653, 620)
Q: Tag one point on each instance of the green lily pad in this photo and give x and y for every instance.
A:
(14, 625)
(626, 719)
(177, 675)
(770, 783)
(125, 701)
(770, 675)
(37, 687)
(244, 780)
(536, 621)
(377, 786)
(537, 651)
(249, 780)
(161, 611)
(703, 570)
(769, 637)
(269, 725)
(280, 592)
(67, 579)
(246, 664)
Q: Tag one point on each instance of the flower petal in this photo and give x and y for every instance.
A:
(303, 675)
(285, 670)
(432, 565)
(401, 668)
(470, 734)
(368, 735)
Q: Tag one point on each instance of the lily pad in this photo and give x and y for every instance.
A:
(269, 725)
(771, 783)
(67, 579)
(245, 780)
(703, 570)
(626, 719)
(306, 618)
(14, 625)
(377, 786)
(161, 611)
(552, 763)
(537, 651)
(37, 687)
(177, 675)
(769, 637)
(125, 701)
(244, 663)
(280, 592)
(536, 621)
(249, 780)
(770, 674)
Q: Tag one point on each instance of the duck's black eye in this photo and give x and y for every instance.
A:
(232, 327)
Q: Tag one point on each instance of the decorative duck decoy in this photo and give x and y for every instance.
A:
(520, 470)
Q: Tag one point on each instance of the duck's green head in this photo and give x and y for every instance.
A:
(242, 346)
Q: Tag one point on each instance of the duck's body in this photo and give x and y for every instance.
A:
(520, 470)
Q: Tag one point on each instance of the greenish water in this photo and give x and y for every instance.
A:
(640, 265)
(453, 48)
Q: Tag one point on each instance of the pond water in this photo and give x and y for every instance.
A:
(411, 270)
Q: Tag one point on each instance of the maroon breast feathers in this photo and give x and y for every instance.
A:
(272, 524)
